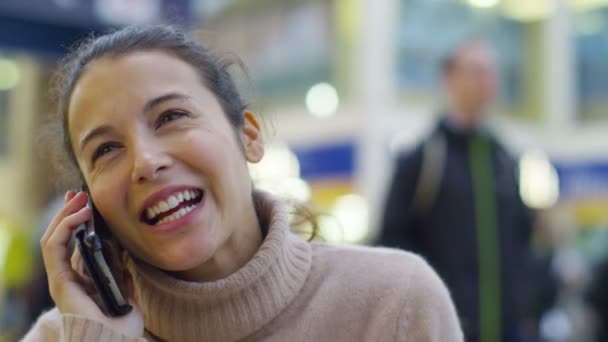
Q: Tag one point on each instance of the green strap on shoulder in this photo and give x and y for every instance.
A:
(485, 206)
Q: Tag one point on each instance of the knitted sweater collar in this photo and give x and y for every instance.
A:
(236, 306)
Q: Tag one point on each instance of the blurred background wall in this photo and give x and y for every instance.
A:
(344, 86)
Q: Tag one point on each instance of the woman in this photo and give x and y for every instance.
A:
(161, 138)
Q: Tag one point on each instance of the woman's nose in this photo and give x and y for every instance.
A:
(149, 163)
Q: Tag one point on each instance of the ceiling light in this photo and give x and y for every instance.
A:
(483, 3)
(322, 100)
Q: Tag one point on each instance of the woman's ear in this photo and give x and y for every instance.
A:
(251, 138)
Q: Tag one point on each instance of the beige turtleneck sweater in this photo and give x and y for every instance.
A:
(291, 290)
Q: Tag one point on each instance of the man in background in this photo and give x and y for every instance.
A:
(597, 299)
(455, 200)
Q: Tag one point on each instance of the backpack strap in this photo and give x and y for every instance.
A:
(431, 173)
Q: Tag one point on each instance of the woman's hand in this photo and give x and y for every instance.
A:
(68, 282)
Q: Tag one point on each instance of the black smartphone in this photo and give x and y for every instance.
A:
(91, 249)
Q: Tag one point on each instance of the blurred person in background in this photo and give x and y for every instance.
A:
(26, 301)
(455, 200)
(597, 298)
(15, 270)
(158, 132)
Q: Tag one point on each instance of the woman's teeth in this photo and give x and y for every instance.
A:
(176, 215)
(168, 205)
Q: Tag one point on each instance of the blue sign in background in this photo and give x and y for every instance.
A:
(577, 179)
(326, 161)
(583, 179)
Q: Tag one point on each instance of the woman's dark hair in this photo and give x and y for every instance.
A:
(212, 70)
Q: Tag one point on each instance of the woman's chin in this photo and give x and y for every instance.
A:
(183, 258)
(186, 253)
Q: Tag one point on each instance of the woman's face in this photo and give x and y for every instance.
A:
(164, 167)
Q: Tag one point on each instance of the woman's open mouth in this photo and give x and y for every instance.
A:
(173, 207)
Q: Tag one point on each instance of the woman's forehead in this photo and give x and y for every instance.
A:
(133, 71)
(131, 78)
(124, 84)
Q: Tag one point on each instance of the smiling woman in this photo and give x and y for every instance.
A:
(161, 138)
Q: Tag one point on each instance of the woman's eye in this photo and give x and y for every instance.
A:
(103, 150)
(168, 116)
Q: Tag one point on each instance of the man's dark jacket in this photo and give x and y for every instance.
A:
(446, 235)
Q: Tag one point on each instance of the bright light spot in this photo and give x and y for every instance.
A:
(279, 162)
(526, 10)
(297, 188)
(289, 188)
(539, 182)
(9, 74)
(400, 141)
(483, 3)
(555, 325)
(351, 211)
(347, 221)
(279, 173)
(330, 229)
(322, 100)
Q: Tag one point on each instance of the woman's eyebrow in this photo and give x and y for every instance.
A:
(105, 129)
(163, 98)
(101, 130)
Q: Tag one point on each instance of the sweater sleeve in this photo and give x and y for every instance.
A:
(54, 326)
(428, 314)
